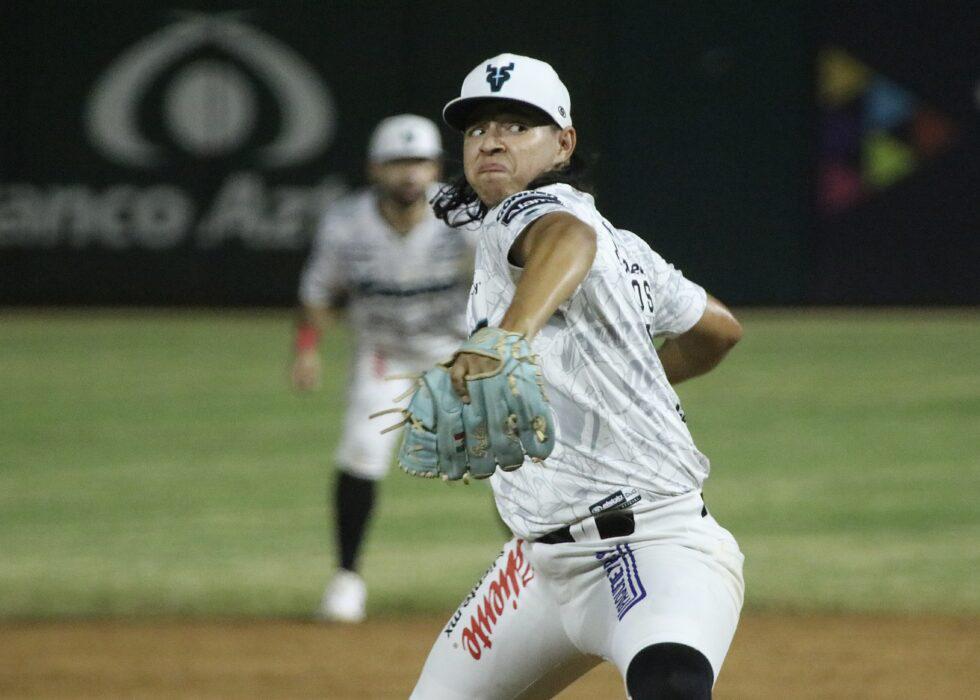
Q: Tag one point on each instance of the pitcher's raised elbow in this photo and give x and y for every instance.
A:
(733, 333)
(727, 331)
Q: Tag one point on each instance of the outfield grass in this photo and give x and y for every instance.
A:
(156, 463)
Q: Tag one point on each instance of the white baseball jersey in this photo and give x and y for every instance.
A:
(621, 439)
(405, 291)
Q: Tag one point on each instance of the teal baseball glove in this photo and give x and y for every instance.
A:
(508, 416)
(434, 443)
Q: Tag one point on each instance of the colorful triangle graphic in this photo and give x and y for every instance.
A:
(874, 132)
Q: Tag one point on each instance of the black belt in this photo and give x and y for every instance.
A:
(613, 523)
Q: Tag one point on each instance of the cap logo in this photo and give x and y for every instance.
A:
(498, 76)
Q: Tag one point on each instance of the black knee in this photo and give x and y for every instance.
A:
(669, 672)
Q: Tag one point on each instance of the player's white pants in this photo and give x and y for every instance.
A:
(546, 613)
(363, 451)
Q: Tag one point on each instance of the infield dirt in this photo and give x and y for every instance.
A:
(773, 656)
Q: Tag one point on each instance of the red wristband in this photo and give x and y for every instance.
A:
(307, 337)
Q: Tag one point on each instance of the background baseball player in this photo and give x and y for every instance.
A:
(404, 274)
(616, 556)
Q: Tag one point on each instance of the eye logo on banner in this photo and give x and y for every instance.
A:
(207, 89)
(210, 107)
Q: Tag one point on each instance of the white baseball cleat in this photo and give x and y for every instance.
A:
(344, 599)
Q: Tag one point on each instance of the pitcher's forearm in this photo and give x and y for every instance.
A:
(700, 349)
(556, 253)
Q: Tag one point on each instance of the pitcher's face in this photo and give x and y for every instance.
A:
(506, 148)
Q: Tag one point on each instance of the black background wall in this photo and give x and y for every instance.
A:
(154, 154)
(914, 239)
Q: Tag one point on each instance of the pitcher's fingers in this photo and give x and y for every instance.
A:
(457, 373)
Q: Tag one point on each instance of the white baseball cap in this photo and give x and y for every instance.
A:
(511, 77)
(404, 136)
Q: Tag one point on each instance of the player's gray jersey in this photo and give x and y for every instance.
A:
(406, 293)
(621, 436)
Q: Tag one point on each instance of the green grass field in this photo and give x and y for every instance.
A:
(157, 463)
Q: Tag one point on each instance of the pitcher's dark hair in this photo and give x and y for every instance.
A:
(457, 203)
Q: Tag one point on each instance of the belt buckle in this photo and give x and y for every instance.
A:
(615, 523)
(559, 536)
(608, 524)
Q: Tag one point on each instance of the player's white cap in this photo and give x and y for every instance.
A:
(404, 136)
(511, 77)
